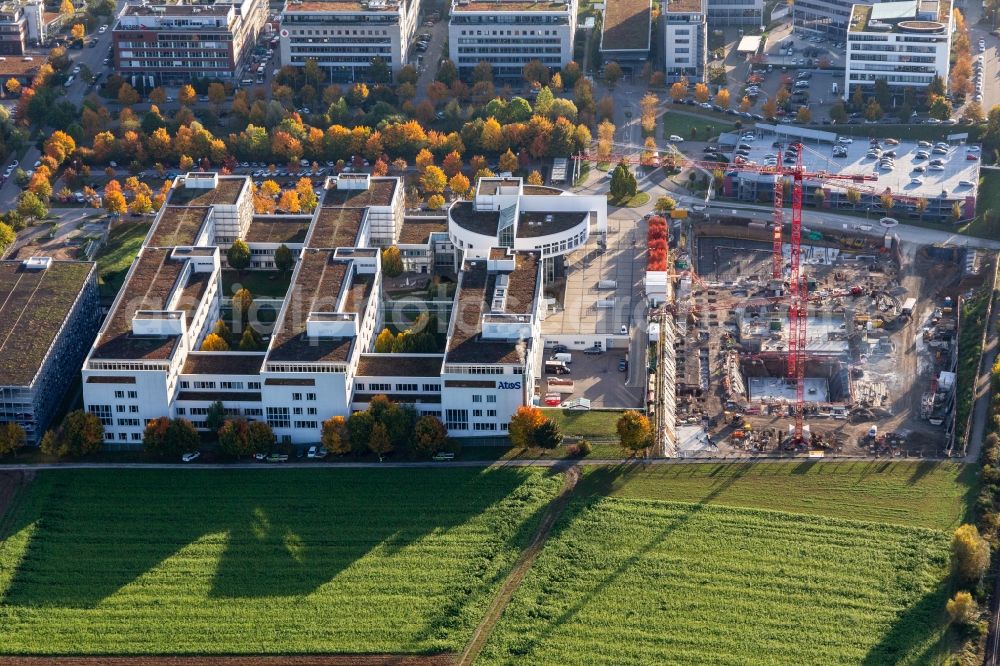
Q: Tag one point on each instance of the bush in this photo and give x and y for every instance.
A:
(962, 608)
(970, 555)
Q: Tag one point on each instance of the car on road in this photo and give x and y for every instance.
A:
(593, 351)
(862, 227)
(316, 452)
(277, 457)
(103, 29)
(676, 139)
(191, 457)
(966, 183)
(888, 222)
(622, 365)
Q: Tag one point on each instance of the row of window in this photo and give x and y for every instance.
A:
(458, 419)
(175, 64)
(400, 388)
(294, 33)
(230, 411)
(228, 386)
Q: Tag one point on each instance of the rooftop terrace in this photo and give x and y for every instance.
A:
(278, 229)
(494, 6)
(317, 287)
(532, 224)
(379, 193)
(336, 227)
(399, 365)
(416, 230)
(33, 307)
(178, 226)
(626, 25)
(339, 6)
(466, 216)
(226, 193)
(151, 282)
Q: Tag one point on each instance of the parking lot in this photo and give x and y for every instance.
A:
(600, 379)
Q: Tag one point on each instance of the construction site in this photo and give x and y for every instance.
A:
(873, 372)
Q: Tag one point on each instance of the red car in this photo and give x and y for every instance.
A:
(972, 157)
(553, 400)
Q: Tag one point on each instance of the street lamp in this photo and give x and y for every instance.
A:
(867, 213)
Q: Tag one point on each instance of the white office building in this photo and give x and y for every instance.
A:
(906, 44)
(344, 36)
(511, 33)
(319, 360)
(686, 40)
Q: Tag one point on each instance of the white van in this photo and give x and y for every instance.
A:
(565, 357)
(69, 81)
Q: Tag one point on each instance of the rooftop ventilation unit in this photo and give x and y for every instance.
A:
(500, 294)
(36, 263)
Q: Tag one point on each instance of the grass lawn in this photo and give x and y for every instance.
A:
(681, 123)
(590, 423)
(970, 351)
(640, 199)
(261, 562)
(920, 494)
(988, 199)
(645, 582)
(116, 257)
(260, 283)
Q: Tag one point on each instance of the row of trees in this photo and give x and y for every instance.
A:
(384, 428)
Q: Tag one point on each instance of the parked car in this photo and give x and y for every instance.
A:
(593, 351)
(316, 452)
(676, 139)
(191, 457)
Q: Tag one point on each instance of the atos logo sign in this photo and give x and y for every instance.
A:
(511, 386)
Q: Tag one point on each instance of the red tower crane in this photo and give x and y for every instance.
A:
(798, 293)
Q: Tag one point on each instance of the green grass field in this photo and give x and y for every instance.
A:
(645, 582)
(116, 257)
(589, 423)
(269, 284)
(933, 495)
(261, 562)
(707, 126)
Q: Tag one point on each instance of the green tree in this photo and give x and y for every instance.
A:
(251, 340)
(260, 437)
(665, 204)
(873, 110)
(7, 237)
(216, 416)
(483, 72)
(30, 206)
(970, 555)
(384, 341)
(429, 436)
(940, 108)
(623, 184)
(234, 438)
(392, 261)
(936, 88)
(11, 437)
(283, 259)
(854, 196)
(80, 433)
(882, 93)
(359, 427)
(612, 74)
(379, 71)
(634, 431)
(238, 255)
(547, 435)
(222, 330)
(182, 436)
(447, 73)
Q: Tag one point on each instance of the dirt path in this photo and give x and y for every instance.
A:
(520, 570)
(248, 660)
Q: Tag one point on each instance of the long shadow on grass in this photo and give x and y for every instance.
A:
(610, 479)
(286, 532)
(911, 629)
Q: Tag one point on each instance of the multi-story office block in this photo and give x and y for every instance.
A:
(511, 33)
(827, 18)
(905, 44)
(735, 12)
(49, 313)
(319, 362)
(344, 36)
(686, 40)
(21, 24)
(175, 43)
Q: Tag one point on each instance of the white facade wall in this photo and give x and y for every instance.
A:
(686, 45)
(344, 42)
(903, 59)
(510, 39)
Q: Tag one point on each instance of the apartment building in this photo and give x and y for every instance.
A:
(905, 44)
(22, 24)
(177, 43)
(686, 40)
(735, 12)
(511, 33)
(49, 314)
(319, 361)
(344, 36)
